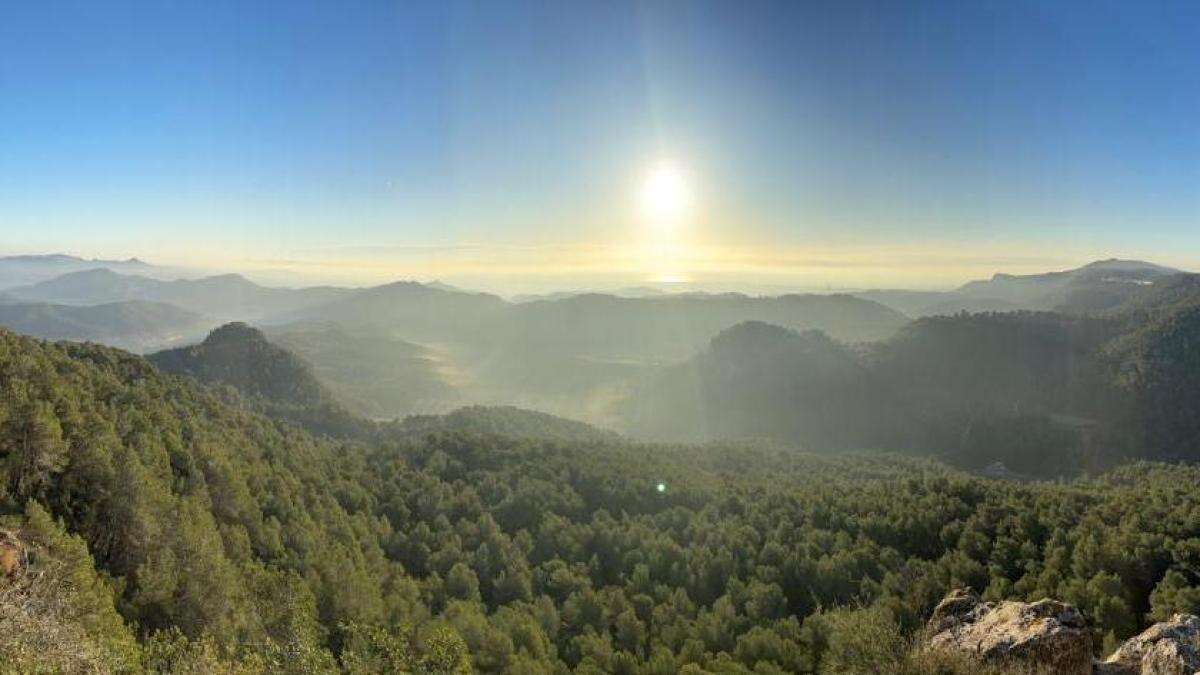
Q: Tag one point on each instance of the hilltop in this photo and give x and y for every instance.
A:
(273, 378)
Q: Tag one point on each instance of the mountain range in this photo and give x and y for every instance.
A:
(223, 297)
(407, 347)
(19, 270)
(1094, 287)
(402, 348)
(1042, 393)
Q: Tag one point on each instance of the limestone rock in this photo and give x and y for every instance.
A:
(1166, 648)
(952, 610)
(1043, 634)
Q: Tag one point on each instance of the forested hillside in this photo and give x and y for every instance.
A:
(1043, 393)
(222, 537)
(1019, 388)
(271, 378)
(764, 381)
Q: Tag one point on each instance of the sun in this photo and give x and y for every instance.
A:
(665, 195)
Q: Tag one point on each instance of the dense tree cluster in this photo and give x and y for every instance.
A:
(228, 541)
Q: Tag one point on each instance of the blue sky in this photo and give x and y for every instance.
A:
(824, 142)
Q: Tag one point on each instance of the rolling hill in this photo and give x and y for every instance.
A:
(410, 311)
(272, 378)
(134, 325)
(757, 380)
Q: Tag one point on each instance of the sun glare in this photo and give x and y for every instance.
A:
(665, 195)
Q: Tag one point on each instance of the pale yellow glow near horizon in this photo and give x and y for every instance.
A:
(693, 254)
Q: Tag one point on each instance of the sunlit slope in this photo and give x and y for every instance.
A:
(153, 470)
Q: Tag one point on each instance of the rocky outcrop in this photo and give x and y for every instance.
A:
(1166, 648)
(952, 610)
(1045, 634)
(1053, 636)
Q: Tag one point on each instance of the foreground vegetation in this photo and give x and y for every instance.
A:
(176, 530)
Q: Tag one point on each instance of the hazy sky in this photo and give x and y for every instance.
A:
(839, 142)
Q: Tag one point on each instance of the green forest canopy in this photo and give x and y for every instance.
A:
(195, 533)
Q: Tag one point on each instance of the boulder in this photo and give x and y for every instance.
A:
(1046, 634)
(1166, 648)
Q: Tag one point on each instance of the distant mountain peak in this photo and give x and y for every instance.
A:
(42, 257)
(1128, 265)
(1096, 286)
(66, 258)
(404, 285)
(439, 285)
(234, 331)
(1108, 264)
(229, 278)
